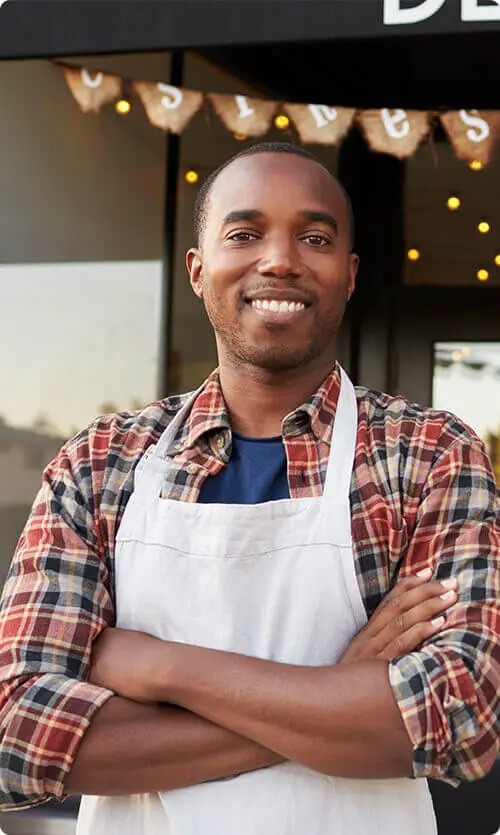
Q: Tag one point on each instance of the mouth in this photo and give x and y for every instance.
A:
(277, 308)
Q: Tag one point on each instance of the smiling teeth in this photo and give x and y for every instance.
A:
(277, 307)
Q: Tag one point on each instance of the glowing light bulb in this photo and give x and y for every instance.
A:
(122, 107)
(453, 203)
(413, 254)
(191, 176)
(240, 136)
(483, 227)
(497, 259)
(476, 165)
(281, 121)
(482, 275)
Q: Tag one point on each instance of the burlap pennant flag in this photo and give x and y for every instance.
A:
(472, 133)
(320, 123)
(242, 115)
(169, 108)
(395, 131)
(92, 89)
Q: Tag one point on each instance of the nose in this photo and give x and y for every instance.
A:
(279, 259)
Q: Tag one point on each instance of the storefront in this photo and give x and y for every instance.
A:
(97, 314)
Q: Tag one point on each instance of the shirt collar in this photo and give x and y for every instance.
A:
(209, 415)
(318, 412)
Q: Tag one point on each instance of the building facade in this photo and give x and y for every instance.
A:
(96, 310)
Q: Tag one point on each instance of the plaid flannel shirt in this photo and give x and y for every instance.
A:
(422, 494)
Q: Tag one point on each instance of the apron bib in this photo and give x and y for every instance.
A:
(274, 580)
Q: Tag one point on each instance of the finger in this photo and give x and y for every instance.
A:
(404, 597)
(423, 613)
(411, 639)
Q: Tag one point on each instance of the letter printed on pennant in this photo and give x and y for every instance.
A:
(172, 98)
(322, 114)
(244, 109)
(391, 120)
(91, 82)
(479, 129)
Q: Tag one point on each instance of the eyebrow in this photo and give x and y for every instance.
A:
(242, 214)
(307, 214)
(320, 217)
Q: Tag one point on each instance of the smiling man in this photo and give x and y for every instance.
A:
(264, 606)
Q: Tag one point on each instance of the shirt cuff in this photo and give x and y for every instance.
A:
(426, 726)
(42, 733)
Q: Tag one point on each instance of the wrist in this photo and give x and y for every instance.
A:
(167, 665)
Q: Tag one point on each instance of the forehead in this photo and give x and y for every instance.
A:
(274, 182)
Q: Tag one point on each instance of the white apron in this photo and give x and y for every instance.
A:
(274, 580)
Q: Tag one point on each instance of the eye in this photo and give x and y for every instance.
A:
(241, 236)
(317, 239)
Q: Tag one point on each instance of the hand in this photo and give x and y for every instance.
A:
(125, 661)
(407, 616)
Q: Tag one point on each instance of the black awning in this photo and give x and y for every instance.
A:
(43, 28)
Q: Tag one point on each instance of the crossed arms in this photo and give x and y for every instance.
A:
(433, 710)
(229, 713)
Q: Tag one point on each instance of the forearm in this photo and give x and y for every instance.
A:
(341, 720)
(132, 748)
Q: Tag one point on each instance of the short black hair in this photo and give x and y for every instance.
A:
(200, 206)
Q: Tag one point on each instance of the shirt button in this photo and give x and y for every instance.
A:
(219, 441)
(192, 469)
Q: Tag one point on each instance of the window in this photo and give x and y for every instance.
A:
(81, 246)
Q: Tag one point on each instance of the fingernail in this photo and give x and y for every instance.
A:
(447, 595)
(438, 621)
(426, 572)
(450, 583)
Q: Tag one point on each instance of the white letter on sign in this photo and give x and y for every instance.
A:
(91, 82)
(393, 13)
(479, 129)
(173, 96)
(390, 121)
(322, 114)
(244, 108)
(471, 11)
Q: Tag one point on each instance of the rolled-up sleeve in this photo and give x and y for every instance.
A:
(55, 602)
(448, 690)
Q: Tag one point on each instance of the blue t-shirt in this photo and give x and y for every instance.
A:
(255, 473)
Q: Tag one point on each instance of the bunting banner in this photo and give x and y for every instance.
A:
(92, 89)
(168, 107)
(397, 132)
(473, 134)
(242, 115)
(320, 123)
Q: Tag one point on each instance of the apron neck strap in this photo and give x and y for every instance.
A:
(343, 443)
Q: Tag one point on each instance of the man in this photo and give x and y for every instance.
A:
(188, 601)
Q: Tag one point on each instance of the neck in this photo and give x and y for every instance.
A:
(257, 400)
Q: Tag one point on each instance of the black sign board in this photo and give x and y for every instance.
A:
(42, 28)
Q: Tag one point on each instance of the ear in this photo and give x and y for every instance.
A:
(353, 269)
(194, 267)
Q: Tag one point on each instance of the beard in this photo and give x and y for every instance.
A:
(275, 353)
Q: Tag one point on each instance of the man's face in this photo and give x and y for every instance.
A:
(274, 267)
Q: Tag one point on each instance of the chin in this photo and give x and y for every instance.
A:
(277, 359)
